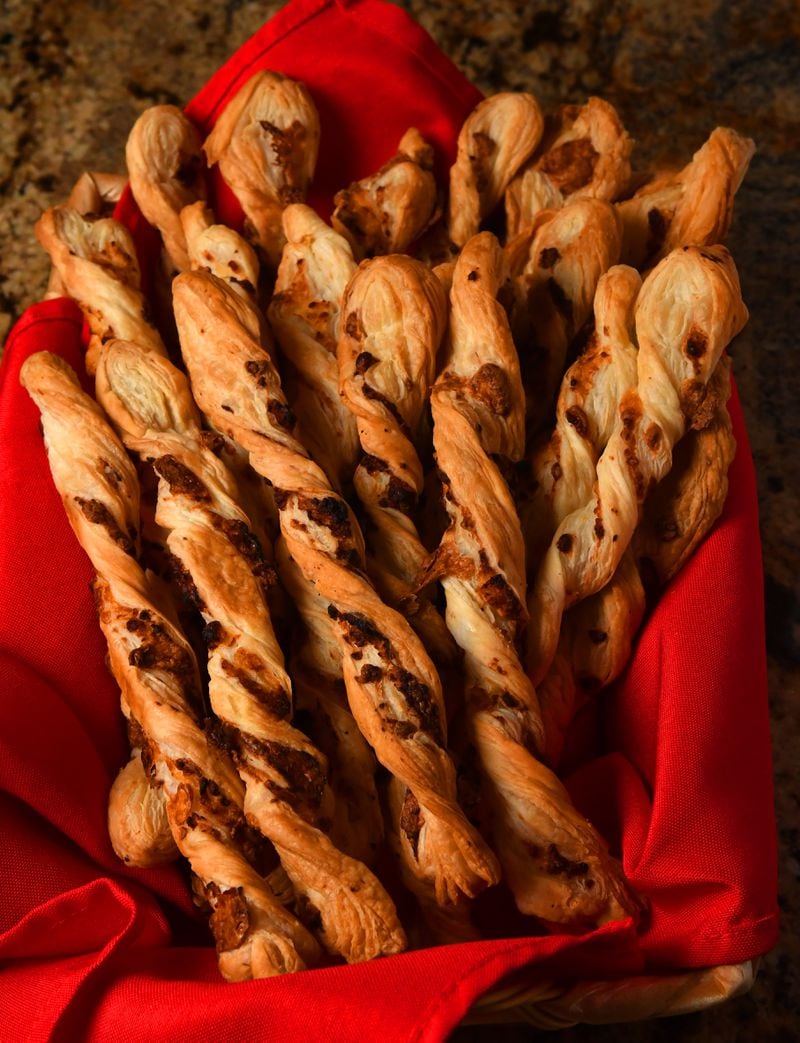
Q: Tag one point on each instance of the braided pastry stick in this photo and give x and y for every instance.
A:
(316, 266)
(688, 311)
(216, 248)
(222, 569)
(395, 314)
(597, 634)
(586, 413)
(393, 689)
(684, 505)
(166, 169)
(138, 824)
(497, 138)
(97, 265)
(694, 205)
(265, 143)
(594, 647)
(156, 670)
(554, 294)
(322, 703)
(93, 195)
(557, 866)
(385, 212)
(587, 157)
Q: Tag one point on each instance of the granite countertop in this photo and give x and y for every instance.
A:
(75, 76)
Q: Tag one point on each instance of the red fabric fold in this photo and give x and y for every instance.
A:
(92, 949)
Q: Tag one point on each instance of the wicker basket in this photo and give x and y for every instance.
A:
(549, 1005)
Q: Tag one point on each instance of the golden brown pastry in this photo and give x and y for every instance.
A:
(588, 403)
(93, 195)
(553, 296)
(393, 689)
(688, 310)
(394, 317)
(220, 568)
(691, 207)
(157, 673)
(138, 824)
(321, 698)
(681, 509)
(266, 143)
(497, 138)
(557, 866)
(97, 265)
(385, 212)
(167, 173)
(316, 265)
(587, 157)
(216, 248)
(594, 647)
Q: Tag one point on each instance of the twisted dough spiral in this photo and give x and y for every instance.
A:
(556, 864)
(221, 568)
(553, 296)
(498, 136)
(167, 173)
(692, 206)
(156, 670)
(689, 309)
(394, 317)
(393, 689)
(316, 265)
(385, 212)
(97, 265)
(587, 156)
(265, 143)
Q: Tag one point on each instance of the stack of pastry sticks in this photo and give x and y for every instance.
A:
(399, 484)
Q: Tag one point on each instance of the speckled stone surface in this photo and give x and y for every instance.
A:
(73, 77)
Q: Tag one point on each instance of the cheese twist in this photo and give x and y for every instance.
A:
(156, 670)
(556, 864)
(222, 571)
(688, 311)
(393, 689)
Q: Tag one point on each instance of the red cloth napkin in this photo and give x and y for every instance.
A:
(683, 787)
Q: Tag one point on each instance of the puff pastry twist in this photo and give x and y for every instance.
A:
(157, 673)
(166, 169)
(385, 212)
(393, 689)
(265, 144)
(586, 156)
(553, 296)
(222, 571)
(394, 318)
(97, 265)
(688, 311)
(556, 864)
(316, 265)
(692, 206)
(497, 138)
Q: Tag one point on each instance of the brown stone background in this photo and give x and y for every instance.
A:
(74, 76)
